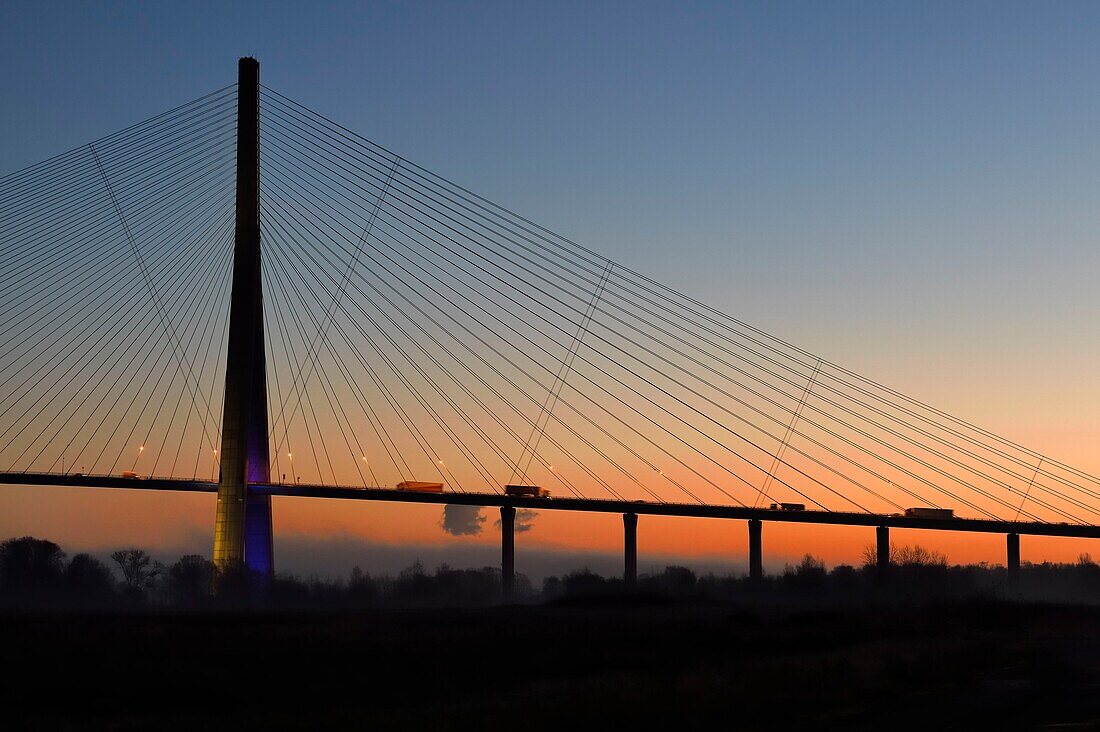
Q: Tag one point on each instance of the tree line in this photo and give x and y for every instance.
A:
(38, 574)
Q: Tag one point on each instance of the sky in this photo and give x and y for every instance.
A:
(907, 189)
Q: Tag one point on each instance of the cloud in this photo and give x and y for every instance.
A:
(525, 520)
(462, 520)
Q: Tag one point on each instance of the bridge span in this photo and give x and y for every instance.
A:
(630, 510)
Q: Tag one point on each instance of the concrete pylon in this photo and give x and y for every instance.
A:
(242, 528)
(630, 549)
(1013, 562)
(507, 552)
(882, 549)
(756, 551)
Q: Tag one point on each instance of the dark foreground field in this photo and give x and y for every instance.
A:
(964, 666)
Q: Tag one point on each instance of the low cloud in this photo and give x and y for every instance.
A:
(462, 520)
(525, 520)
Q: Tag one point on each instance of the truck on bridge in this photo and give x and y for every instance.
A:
(526, 491)
(420, 486)
(930, 513)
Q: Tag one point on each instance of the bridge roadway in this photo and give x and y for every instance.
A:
(630, 510)
(591, 505)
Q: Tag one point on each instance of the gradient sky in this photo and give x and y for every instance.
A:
(905, 189)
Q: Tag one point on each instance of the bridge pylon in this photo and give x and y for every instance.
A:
(242, 528)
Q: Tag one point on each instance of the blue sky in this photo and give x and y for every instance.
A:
(907, 189)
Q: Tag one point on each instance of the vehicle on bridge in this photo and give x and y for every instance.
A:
(526, 491)
(788, 507)
(930, 513)
(420, 486)
(131, 475)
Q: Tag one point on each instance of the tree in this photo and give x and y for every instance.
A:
(912, 556)
(362, 590)
(807, 574)
(810, 566)
(28, 563)
(138, 568)
(676, 580)
(190, 579)
(917, 556)
(88, 577)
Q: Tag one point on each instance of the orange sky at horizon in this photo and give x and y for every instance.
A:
(102, 519)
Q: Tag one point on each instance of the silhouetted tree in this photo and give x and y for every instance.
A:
(584, 582)
(28, 563)
(413, 586)
(138, 568)
(806, 576)
(190, 579)
(917, 556)
(235, 584)
(362, 590)
(88, 578)
(676, 580)
(551, 588)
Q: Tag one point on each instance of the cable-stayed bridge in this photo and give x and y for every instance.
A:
(242, 296)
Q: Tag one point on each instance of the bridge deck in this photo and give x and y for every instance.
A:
(591, 505)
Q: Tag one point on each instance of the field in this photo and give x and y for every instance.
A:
(956, 666)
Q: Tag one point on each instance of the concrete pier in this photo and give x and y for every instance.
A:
(630, 549)
(1013, 556)
(507, 551)
(882, 548)
(756, 554)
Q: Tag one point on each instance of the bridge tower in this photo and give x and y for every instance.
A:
(242, 528)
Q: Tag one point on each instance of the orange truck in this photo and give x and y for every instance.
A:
(420, 486)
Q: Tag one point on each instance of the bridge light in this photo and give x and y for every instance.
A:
(141, 449)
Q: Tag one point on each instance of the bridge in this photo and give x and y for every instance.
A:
(202, 302)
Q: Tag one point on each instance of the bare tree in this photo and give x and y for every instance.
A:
(138, 568)
(917, 556)
(912, 556)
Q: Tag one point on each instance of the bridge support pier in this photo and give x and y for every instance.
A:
(756, 553)
(882, 549)
(630, 549)
(507, 552)
(1013, 557)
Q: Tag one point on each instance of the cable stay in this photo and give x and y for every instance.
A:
(419, 334)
